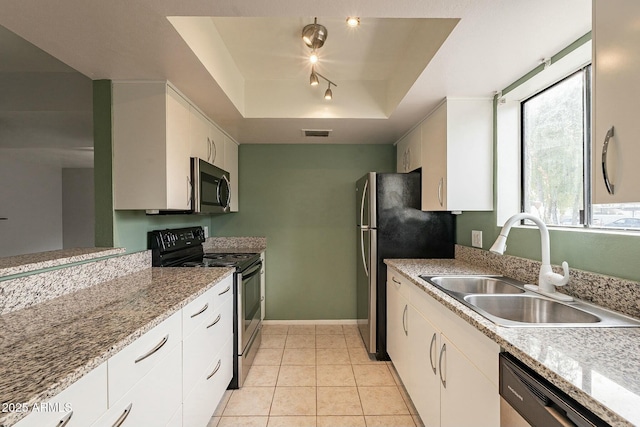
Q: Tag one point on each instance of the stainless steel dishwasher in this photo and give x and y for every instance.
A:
(538, 401)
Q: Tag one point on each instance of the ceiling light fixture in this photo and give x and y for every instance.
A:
(353, 21)
(314, 34)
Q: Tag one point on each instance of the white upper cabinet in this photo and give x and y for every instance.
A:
(231, 166)
(409, 151)
(155, 133)
(207, 141)
(457, 156)
(616, 100)
(151, 150)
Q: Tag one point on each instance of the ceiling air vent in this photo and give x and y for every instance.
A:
(316, 133)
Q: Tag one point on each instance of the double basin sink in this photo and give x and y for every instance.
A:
(506, 302)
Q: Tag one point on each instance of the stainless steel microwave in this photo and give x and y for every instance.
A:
(211, 188)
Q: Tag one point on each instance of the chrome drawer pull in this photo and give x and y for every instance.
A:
(216, 369)
(225, 291)
(65, 420)
(394, 279)
(124, 416)
(154, 349)
(215, 321)
(605, 173)
(404, 317)
(201, 311)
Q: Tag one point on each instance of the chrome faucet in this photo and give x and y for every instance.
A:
(547, 279)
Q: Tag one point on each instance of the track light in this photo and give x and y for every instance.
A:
(313, 79)
(327, 93)
(314, 34)
(313, 58)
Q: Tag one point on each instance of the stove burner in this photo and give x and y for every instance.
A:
(235, 257)
(193, 264)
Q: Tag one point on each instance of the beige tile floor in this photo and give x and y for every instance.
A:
(316, 376)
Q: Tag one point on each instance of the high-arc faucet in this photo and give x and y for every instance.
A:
(547, 279)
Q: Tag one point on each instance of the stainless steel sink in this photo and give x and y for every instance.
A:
(475, 285)
(506, 302)
(529, 309)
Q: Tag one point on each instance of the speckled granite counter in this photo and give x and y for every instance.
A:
(236, 245)
(47, 347)
(37, 261)
(599, 367)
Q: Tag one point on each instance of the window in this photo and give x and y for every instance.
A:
(556, 153)
(555, 141)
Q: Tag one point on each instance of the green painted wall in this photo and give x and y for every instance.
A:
(302, 199)
(102, 163)
(606, 253)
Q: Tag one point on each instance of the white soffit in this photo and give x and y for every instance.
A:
(261, 63)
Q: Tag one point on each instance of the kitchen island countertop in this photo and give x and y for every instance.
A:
(598, 367)
(79, 331)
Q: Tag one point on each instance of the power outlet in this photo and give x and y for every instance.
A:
(476, 238)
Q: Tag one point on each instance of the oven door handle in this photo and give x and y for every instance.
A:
(252, 271)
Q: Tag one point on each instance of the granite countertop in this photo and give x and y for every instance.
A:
(598, 367)
(92, 325)
(237, 245)
(37, 261)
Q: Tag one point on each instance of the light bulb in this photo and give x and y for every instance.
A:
(313, 58)
(328, 94)
(353, 21)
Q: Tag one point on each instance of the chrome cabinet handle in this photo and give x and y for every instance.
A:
(225, 291)
(216, 369)
(215, 321)
(189, 191)
(396, 281)
(202, 310)
(404, 324)
(605, 173)
(440, 184)
(208, 150)
(124, 416)
(158, 346)
(214, 150)
(442, 353)
(431, 348)
(65, 420)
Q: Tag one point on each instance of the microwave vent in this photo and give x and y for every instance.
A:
(316, 133)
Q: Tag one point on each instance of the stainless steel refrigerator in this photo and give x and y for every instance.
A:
(390, 224)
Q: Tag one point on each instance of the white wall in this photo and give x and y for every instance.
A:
(31, 199)
(78, 210)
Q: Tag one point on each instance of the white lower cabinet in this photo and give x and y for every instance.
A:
(200, 403)
(449, 369)
(176, 420)
(81, 403)
(153, 400)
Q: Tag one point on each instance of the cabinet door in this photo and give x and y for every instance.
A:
(231, 166)
(401, 155)
(467, 397)
(217, 146)
(397, 329)
(414, 151)
(178, 152)
(199, 135)
(434, 161)
(423, 384)
(616, 98)
(81, 403)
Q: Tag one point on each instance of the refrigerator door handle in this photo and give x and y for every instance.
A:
(364, 258)
(364, 196)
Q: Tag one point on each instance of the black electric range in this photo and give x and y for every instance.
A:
(182, 247)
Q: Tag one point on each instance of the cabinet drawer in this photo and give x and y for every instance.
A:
(153, 400)
(200, 404)
(82, 403)
(201, 347)
(401, 283)
(197, 311)
(148, 351)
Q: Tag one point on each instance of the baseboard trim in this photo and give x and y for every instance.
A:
(311, 322)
